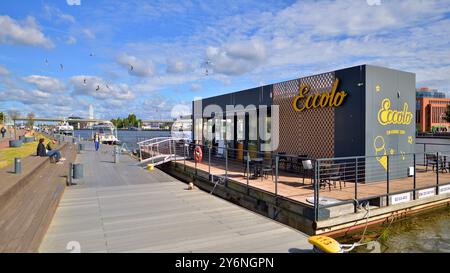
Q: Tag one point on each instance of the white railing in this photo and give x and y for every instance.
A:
(162, 149)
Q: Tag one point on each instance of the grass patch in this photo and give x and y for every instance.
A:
(7, 155)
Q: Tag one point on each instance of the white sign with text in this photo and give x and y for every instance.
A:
(400, 198)
(444, 189)
(427, 193)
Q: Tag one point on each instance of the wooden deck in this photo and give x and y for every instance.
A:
(123, 208)
(290, 185)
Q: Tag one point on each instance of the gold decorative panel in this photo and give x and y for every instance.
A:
(310, 132)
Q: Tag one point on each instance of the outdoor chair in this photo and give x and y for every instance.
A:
(283, 159)
(307, 170)
(268, 169)
(432, 160)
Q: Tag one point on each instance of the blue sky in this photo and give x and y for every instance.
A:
(247, 43)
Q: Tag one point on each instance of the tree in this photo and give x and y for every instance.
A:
(31, 117)
(2, 117)
(14, 115)
(446, 117)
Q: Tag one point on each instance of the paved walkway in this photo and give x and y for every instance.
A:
(123, 208)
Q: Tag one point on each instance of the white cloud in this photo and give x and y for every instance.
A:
(196, 87)
(4, 71)
(135, 66)
(88, 33)
(237, 58)
(88, 85)
(177, 66)
(26, 32)
(71, 40)
(53, 12)
(46, 84)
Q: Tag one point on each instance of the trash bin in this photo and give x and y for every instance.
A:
(78, 171)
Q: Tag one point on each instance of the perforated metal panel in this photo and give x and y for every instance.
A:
(310, 132)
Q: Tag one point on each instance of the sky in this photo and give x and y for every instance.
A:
(152, 58)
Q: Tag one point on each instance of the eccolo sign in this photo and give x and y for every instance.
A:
(387, 116)
(321, 100)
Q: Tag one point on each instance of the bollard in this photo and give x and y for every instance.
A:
(150, 167)
(70, 175)
(116, 154)
(80, 147)
(17, 165)
(78, 171)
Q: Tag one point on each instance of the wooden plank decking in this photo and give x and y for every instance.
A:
(123, 208)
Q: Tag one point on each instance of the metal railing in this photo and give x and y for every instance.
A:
(341, 181)
(162, 149)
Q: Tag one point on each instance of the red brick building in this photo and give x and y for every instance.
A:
(431, 106)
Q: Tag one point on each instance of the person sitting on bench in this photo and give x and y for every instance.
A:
(53, 152)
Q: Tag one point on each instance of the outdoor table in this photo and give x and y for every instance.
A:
(445, 156)
(257, 166)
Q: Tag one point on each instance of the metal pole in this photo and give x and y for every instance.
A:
(226, 167)
(209, 164)
(70, 174)
(387, 179)
(424, 152)
(184, 155)
(437, 173)
(248, 171)
(414, 177)
(356, 184)
(277, 159)
(316, 191)
(195, 160)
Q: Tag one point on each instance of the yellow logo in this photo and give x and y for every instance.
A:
(386, 116)
(321, 100)
(378, 88)
(410, 140)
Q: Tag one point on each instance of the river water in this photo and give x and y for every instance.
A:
(423, 233)
(428, 232)
(130, 138)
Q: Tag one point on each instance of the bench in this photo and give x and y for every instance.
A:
(29, 204)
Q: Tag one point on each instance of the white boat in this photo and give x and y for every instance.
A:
(65, 129)
(107, 132)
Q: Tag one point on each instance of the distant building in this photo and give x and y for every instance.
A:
(431, 106)
(77, 125)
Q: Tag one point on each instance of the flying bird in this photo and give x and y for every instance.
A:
(92, 54)
(107, 86)
(131, 67)
(46, 61)
(84, 82)
(98, 88)
(61, 66)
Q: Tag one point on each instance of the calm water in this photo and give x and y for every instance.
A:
(130, 138)
(429, 232)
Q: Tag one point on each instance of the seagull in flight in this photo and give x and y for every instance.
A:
(84, 82)
(131, 67)
(98, 88)
(61, 66)
(46, 61)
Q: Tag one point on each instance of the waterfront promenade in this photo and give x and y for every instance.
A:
(123, 208)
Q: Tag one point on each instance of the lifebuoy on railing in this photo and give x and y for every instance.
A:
(198, 154)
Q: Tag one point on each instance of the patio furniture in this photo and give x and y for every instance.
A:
(433, 160)
(283, 159)
(257, 166)
(268, 169)
(308, 170)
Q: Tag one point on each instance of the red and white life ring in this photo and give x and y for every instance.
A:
(198, 154)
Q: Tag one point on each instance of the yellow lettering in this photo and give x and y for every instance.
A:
(387, 116)
(321, 100)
